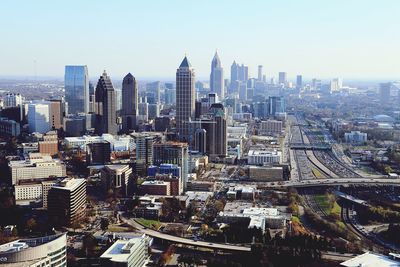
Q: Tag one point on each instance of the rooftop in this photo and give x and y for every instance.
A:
(369, 259)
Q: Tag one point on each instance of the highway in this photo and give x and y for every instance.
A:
(330, 182)
(184, 241)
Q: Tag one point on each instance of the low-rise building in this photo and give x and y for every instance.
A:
(355, 137)
(49, 144)
(33, 193)
(36, 166)
(45, 251)
(266, 173)
(156, 188)
(127, 253)
(258, 217)
(271, 127)
(262, 157)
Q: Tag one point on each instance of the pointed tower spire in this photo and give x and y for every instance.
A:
(185, 63)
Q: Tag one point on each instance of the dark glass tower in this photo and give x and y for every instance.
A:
(106, 121)
(129, 103)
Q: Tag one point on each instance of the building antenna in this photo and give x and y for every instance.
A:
(35, 70)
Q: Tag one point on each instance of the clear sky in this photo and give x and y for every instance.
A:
(321, 38)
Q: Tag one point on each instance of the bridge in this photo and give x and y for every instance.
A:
(302, 146)
(185, 241)
(330, 182)
(351, 198)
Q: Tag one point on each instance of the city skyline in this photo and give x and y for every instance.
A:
(323, 40)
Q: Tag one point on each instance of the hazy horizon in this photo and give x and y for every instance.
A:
(348, 39)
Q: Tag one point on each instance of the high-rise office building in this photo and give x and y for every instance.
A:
(67, 201)
(243, 73)
(282, 78)
(215, 126)
(234, 72)
(129, 102)
(260, 73)
(76, 87)
(173, 153)
(185, 99)
(299, 81)
(336, 84)
(276, 104)
(153, 92)
(106, 121)
(13, 100)
(384, 92)
(217, 77)
(39, 117)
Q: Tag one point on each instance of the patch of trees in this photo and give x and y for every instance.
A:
(378, 214)
(392, 233)
(323, 225)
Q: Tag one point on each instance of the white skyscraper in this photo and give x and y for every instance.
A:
(217, 77)
(185, 99)
(39, 117)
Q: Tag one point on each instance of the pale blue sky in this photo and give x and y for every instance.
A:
(321, 38)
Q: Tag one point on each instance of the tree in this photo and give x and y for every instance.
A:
(104, 224)
(89, 243)
(31, 224)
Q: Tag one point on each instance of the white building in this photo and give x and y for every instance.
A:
(355, 137)
(261, 218)
(117, 143)
(39, 117)
(132, 252)
(13, 100)
(36, 166)
(261, 157)
(36, 252)
(34, 193)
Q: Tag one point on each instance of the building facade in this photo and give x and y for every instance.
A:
(185, 99)
(76, 85)
(106, 120)
(129, 103)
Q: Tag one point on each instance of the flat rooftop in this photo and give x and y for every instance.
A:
(371, 260)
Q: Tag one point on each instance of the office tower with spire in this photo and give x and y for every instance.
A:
(76, 86)
(185, 99)
(105, 106)
(217, 77)
(129, 103)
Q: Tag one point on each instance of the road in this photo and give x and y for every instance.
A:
(329, 182)
(184, 241)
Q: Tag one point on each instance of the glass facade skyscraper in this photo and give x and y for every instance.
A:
(76, 82)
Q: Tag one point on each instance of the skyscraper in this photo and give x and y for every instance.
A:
(234, 71)
(185, 99)
(299, 81)
(243, 73)
(129, 102)
(217, 77)
(76, 85)
(282, 78)
(153, 92)
(276, 104)
(105, 106)
(260, 72)
(384, 92)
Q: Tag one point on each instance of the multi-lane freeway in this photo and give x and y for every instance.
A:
(331, 182)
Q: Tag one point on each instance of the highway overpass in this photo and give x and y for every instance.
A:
(185, 241)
